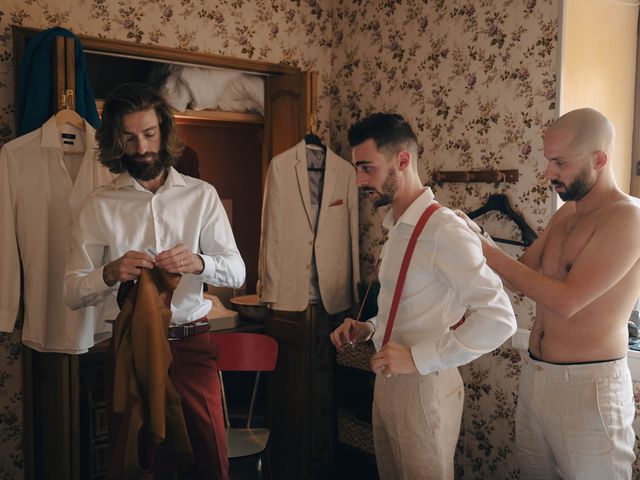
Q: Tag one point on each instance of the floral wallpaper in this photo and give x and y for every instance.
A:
(296, 33)
(476, 78)
(11, 458)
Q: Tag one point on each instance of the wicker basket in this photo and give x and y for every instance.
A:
(358, 356)
(355, 432)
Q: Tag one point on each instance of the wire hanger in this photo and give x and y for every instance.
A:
(500, 202)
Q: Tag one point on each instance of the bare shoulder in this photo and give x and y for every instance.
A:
(625, 208)
(562, 214)
(620, 218)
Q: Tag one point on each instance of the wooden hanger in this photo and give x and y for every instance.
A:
(500, 202)
(71, 117)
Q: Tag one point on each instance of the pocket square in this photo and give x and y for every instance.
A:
(336, 202)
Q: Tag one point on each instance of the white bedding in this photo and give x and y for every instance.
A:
(207, 88)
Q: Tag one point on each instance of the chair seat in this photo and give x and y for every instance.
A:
(243, 442)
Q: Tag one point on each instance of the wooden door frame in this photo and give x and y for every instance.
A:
(634, 188)
(150, 52)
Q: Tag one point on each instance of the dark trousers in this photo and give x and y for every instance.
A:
(194, 374)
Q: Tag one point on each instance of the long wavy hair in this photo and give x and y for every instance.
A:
(131, 98)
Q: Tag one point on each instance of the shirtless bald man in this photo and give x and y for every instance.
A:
(576, 406)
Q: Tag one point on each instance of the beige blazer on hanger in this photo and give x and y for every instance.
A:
(287, 237)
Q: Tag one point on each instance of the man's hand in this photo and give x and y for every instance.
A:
(180, 259)
(473, 226)
(125, 268)
(351, 332)
(488, 245)
(392, 359)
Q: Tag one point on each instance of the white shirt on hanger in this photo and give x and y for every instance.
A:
(38, 201)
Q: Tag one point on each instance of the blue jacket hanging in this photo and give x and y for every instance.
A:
(35, 86)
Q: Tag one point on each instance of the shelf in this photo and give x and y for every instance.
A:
(200, 116)
(218, 116)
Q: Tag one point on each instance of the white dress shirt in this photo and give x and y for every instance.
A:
(123, 216)
(447, 277)
(41, 187)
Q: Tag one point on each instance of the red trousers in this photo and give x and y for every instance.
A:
(194, 374)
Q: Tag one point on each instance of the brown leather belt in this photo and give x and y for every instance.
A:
(178, 332)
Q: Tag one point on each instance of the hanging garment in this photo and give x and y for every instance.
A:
(38, 201)
(36, 77)
(289, 237)
(143, 394)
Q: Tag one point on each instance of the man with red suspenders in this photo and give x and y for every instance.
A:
(432, 272)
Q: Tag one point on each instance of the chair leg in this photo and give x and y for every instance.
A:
(259, 467)
(264, 470)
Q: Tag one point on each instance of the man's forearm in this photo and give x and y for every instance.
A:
(487, 245)
(544, 290)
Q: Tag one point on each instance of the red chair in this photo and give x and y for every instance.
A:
(246, 352)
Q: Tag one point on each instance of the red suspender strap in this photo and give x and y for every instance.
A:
(405, 266)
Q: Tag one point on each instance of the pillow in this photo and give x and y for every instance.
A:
(245, 94)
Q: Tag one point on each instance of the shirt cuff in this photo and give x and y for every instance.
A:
(94, 289)
(426, 358)
(373, 332)
(209, 270)
(95, 280)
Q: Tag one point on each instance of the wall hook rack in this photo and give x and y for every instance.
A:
(480, 176)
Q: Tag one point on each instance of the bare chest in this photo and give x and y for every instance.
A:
(565, 244)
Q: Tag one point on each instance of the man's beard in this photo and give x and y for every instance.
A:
(145, 167)
(388, 192)
(580, 186)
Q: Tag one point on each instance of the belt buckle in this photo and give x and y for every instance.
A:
(203, 325)
(181, 335)
(189, 329)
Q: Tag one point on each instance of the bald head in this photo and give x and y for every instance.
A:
(586, 130)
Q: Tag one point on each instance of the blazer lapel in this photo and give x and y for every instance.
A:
(330, 179)
(303, 180)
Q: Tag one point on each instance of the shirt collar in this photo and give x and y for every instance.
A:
(413, 213)
(51, 134)
(174, 179)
